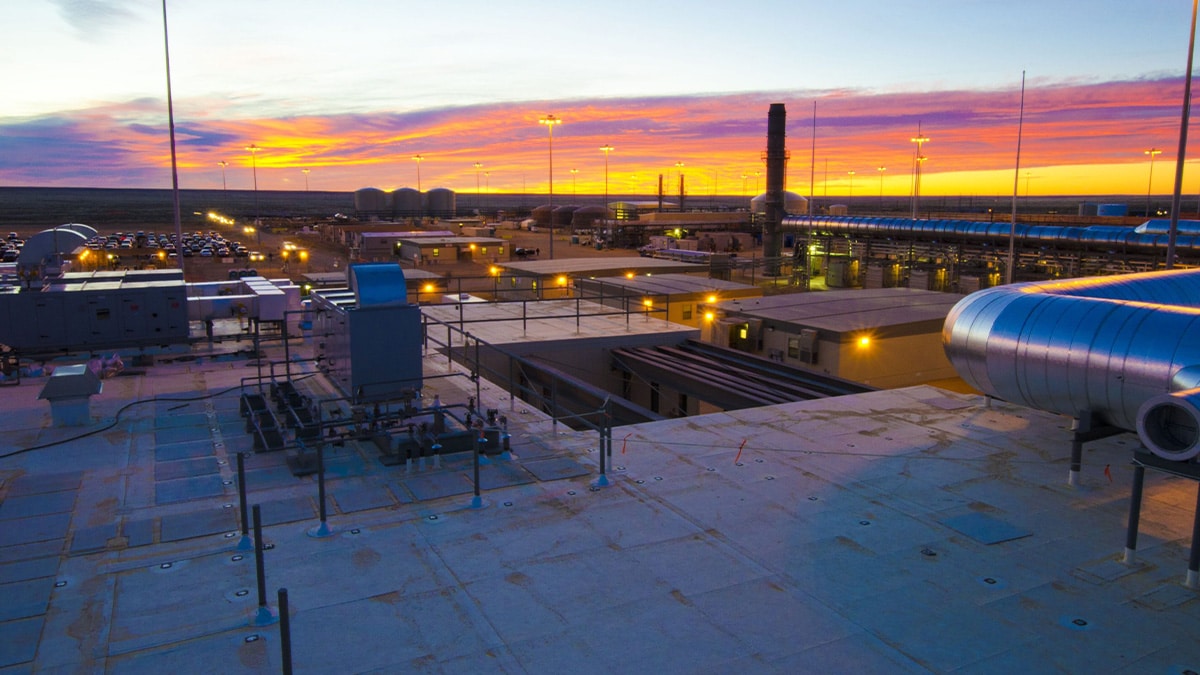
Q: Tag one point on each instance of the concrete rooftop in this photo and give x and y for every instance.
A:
(904, 531)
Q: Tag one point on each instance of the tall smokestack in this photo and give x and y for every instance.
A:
(776, 157)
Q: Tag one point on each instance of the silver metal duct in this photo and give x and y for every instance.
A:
(1122, 348)
(1098, 237)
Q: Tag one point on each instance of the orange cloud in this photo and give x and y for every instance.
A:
(1077, 139)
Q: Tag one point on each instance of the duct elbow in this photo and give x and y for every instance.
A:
(1169, 425)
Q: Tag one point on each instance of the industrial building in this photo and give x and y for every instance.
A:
(884, 337)
(546, 279)
(677, 298)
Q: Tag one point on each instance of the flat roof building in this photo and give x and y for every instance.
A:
(884, 337)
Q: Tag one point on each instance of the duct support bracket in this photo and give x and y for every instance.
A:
(1188, 470)
(1084, 432)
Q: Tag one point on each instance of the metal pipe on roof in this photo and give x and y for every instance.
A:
(1121, 348)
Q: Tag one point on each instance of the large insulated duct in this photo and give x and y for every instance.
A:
(1096, 237)
(776, 170)
(1122, 348)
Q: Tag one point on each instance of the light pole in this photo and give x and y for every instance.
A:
(254, 169)
(550, 121)
(743, 185)
(223, 164)
(417, 159)
(574, 192)
(420, 199)
(305, 172)
(679, 177)
(850, 199)
(478, 166)
(1153, 152)
(756, 175)
(487, 188)
(919, 140)
(607, 149)
(881, 169)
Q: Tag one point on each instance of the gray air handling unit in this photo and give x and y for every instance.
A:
(368, 337)
(92, 311)
(1122, 350)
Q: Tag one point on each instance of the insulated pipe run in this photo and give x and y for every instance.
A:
(1122, 348)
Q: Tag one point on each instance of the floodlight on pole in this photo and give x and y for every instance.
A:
(850, 199)
(417, 159)
(223, 164)
(920, 140)
(550, 121)
(606, 148)
(253, 149)
(1152, 152)
(305, 172)
(881, 169)
(574, 192)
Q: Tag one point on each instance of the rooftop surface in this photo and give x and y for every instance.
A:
(604, 266)
(903, 531)
(673, 284)
(849, 310)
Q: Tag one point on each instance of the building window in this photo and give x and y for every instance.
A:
(793, 348)
(436, 252)
(687, 311)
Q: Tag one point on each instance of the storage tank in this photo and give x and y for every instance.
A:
(563, 215)
(370, 201)
(406, 202)
(793, 203)
(541, 215)
(440, 203)
(589, 216)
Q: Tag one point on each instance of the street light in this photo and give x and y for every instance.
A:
(252, 148)
(756, 175)
(606, 148)
(305, 172)
(850, 199)
(487, 188)
(679, 175)
(574, 192)
(743, 185)
(223, 164)
(919, 140)
(1153, 152)
(550, 121)
(881, 170)
(478, 166)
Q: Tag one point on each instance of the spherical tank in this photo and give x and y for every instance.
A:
(370, 200)
(440, 202)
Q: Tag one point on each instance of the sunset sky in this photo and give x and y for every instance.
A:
(353, 90)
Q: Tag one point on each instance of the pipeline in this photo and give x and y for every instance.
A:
(1122, 348)
(1097, 237)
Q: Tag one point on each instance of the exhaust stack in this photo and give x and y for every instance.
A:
(776, 157)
